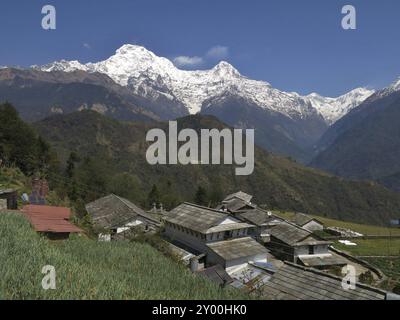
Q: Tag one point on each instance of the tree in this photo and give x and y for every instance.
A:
(201, 196)
(22, 146)
(73, 158)
(153, 196)
(127, 186)
(366, 277)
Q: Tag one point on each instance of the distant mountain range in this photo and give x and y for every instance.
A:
(365, 144)
(136, 84)
(151, 76)
(350, 135)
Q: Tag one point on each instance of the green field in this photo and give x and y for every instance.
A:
(361, 228)
(374, 247)
(87, 269)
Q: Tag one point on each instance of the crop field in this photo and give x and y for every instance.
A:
(374, 247)
(87, 269)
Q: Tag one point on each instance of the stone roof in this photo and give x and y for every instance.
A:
(216, 274)
(302, 219)
(258, 217)
(7, 191)
(229, 227)
(239, 195)
(237, 248)
(235, 205)
(289, 233)
(292, 282)
(322, 260)
(195, 217)
(113, 211)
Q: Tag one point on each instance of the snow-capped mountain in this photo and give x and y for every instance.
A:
(152, 77)
(332, 109)
(395, 86)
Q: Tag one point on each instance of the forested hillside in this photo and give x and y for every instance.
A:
(104, 154)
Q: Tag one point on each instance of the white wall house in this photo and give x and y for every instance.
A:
(313, 225)
(295, 244)
(308, 223)
(205, 230)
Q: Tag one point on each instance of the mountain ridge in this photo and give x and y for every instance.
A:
(141, 70)
(276, 181)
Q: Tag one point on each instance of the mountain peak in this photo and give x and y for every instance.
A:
(225, 68)
(395, 86)
(154, 77)
(128, 49)
(332, 109)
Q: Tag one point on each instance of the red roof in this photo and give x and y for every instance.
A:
(50, 219)
(48, 211)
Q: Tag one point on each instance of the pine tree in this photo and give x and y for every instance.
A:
(153, 197)
(201, 196)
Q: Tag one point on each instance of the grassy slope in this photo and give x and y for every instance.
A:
(90, 270)
(276, 181)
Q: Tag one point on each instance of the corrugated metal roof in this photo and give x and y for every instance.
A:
(50, 219)
(237, 248)
(292, 282)
(53, 225)
(48, 211)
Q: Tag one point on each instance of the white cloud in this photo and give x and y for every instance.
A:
(214, 53)
(218, 52)
(185, 61)
(87, 45)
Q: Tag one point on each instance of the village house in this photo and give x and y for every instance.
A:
(8, 199)
(292, 243)
(307, 222)
(216, 274)
(224, 239)
(236, 202)
(113, 216)
(294, 282)
(51, 221)
(263, 221)
(236, 253)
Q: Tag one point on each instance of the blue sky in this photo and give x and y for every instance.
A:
(295, 45)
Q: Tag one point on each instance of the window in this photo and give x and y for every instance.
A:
(310, 250)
